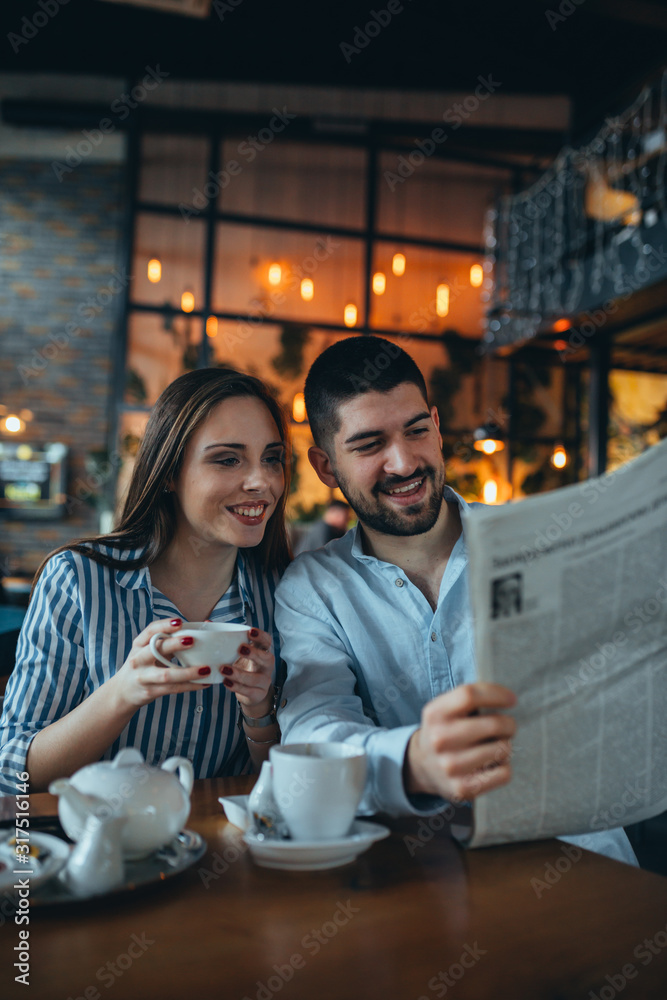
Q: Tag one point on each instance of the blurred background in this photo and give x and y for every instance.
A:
(187, 183)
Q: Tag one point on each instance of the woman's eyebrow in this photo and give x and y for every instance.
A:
(241, 447)
(223, 444)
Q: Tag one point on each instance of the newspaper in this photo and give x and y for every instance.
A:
(569, 598)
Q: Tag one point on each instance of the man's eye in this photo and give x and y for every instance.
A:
(367, 447)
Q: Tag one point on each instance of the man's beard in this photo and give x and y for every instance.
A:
(409, 520)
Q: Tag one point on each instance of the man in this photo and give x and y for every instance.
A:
(332, 524)
(376, 628)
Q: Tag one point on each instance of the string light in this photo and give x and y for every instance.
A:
(13, 424)
(154, 270)
(442, 300)
(275, 274)
(476, 275)
(299, 407)
(187, 302)
(350, 314)
(559, 457)
(398, 264)
(561, 325)
(212, 326)
(379, 283)
(307, 289)
(490, 491)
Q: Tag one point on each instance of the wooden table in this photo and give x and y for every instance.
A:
(409, 920)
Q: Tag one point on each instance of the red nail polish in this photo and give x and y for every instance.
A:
(175, 622)
(187, 640)
(227, 682)
(204, 671)
(244, 650)
(226, 670)
(254, 632)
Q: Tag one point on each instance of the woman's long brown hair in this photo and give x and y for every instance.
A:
(148, 519)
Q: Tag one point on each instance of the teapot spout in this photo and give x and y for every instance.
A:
(81, 805)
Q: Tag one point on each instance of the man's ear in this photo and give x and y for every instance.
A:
(321, 463)
(435, 417)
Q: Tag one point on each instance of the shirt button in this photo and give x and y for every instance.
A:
(399, 582)
(199, 709)
(434, 636)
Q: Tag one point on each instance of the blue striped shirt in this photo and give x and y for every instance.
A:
(78, 631)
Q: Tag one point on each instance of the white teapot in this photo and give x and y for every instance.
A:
(155, 800)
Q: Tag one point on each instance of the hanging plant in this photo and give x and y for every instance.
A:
(135, 388)
(293, 340)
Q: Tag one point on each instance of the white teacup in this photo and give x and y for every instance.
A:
(317, 787)
(215, 644)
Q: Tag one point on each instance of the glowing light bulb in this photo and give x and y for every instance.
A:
(559, 457)
(379, 283)
(299, 408)
(442, 300)
(275, 274)
(489, 446)
(154, 270)
(490, 491)
(307, 289)
(13, 424)
(398, 264)
(561, 325)
(212, 326)
(476, 275)
(187, 302)
(350, 314)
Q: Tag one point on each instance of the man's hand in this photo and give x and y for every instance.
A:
(458, 753)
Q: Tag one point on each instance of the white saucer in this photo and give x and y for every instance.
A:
(315, 855)
(53, 853)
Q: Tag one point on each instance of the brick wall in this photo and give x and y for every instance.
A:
(60, 279)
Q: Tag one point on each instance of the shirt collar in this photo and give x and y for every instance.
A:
(135, 579)
(357, 549)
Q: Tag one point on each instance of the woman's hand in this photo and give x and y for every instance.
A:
(142, 678)
(250, 677)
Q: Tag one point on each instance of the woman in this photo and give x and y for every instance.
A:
(202, 536)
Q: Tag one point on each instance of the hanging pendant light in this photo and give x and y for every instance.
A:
(398, 264)
(487, 439)
(350, 314)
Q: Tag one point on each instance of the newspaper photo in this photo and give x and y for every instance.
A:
(569, 599)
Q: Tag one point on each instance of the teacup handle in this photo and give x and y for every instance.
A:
(153, 648)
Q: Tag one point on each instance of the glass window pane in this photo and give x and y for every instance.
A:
(333, 265)
(638, 414)
(179, 247)
(410, 301)
(302, 182)
(439, 199)
(159, 349)
(173, 168)
(131, 432)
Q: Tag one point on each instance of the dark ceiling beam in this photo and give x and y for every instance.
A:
(648, 15)
(469, 140)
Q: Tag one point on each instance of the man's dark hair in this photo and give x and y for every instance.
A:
(350, 368)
